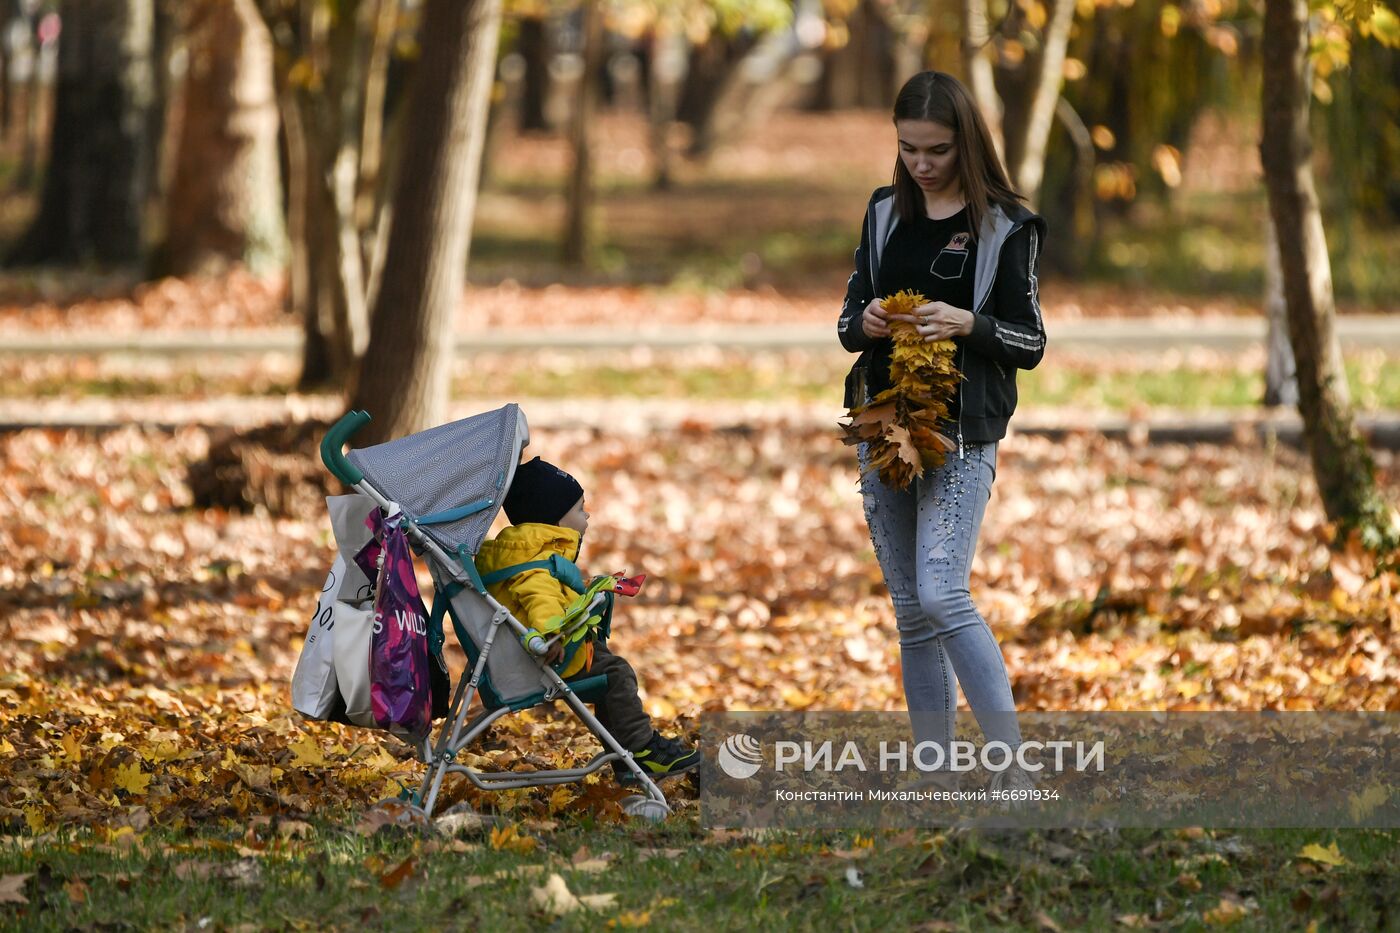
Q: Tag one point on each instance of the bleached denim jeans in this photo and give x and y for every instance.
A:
(924, 539)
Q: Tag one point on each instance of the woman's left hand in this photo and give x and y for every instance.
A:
(939, 320)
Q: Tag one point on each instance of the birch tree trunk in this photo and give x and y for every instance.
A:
(1341, 464)
(977, 63)
(1028, 171)
(403, 379)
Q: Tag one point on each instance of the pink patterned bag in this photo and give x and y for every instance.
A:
(399, 664)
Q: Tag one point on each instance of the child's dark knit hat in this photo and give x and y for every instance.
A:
(541, 492)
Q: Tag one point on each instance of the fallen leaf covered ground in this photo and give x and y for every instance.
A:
(239, 301)
(147, 645)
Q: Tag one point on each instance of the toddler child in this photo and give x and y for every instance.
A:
(545, 508)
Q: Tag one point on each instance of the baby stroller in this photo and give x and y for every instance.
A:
(449, 482)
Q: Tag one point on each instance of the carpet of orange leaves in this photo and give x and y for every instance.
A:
(146, 646)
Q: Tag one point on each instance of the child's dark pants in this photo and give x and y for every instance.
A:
(620, 709)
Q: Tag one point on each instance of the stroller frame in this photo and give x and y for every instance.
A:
(454, 575)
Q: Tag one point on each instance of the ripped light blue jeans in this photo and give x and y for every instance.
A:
(924, 539)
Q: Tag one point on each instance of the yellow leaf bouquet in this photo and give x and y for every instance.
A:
(901, 423)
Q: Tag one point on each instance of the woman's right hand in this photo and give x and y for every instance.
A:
(875, 320)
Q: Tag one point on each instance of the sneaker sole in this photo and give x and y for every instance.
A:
(630, 776)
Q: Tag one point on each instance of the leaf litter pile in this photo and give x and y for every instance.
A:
(147, 645)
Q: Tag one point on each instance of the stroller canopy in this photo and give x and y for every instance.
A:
(466, 465)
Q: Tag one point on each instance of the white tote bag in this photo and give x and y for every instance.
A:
(316, 688)
(314, 691)
(354, 633)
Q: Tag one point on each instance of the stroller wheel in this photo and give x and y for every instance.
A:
(645, 808)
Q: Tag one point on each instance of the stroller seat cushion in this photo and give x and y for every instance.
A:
(588, 689)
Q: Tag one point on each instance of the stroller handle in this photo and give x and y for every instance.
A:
(335, 439)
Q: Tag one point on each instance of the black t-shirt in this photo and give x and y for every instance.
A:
(935, 258)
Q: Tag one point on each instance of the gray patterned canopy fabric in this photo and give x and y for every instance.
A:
(450, 466)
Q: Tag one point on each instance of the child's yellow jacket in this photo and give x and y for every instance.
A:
(534, 596)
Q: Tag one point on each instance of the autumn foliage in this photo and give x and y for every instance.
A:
(147, 643)
(901, 423)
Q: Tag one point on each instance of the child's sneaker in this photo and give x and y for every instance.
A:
(661, 758)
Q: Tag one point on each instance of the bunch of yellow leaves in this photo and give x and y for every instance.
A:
(901, 422)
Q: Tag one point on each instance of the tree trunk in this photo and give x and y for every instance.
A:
(579, 218)
(95, 187)
(36, 102)
(1280, 371)
(11, 16)
(1028, 170)
(533, 46)
(977, 63)
(666, 64)
(225, 202)
(1079, 205)
(323, 57)
(166, 108)
(706, 75)
(403, 380)
(1341, 464)
(378, 149)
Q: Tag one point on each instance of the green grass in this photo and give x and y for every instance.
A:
(1214, 244)
(696, 881)
(1375, 386)
(185, 385)
(704, 234)
(1374, 382)
(803, 376)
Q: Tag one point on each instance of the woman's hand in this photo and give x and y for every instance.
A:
(875, 320)
(555, 653)
(939, 320)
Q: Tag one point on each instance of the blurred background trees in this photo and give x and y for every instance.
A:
(264, 132)
(172, 137)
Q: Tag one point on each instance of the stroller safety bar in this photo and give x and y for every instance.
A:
(540, 645)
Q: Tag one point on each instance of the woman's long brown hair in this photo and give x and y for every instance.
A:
(941, 98)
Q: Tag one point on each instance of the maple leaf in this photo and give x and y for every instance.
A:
(35, 819)
(1230, 910)
(509, 839)
(393, 878)
(72, 748)
(560, 799)
(130, 778)
(1330, 855)
(306, 751)
(556, 898)
(1357, 11)
(1365, 803)
(12, 889)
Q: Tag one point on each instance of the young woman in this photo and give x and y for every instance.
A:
(952, 228)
